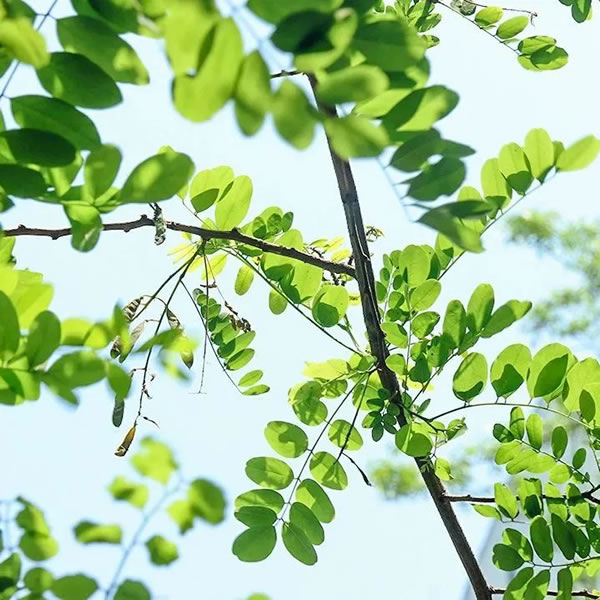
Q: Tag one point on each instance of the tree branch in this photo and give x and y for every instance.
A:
(579, 593)
(366, 284)
(469, 498)
(233, 235)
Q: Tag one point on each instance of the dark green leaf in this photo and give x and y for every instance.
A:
(255, 544)
(74, 587)
(76, 80)
(298, 544)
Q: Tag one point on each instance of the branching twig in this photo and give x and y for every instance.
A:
(578, 593)
(449, 7)
(233, 235)
(136, 537)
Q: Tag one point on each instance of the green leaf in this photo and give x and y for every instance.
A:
(269, 472)
(539, 532)
(293, 115)
(286, 439)
(413, 264)
(74, 587)
(506, 500)
(516, 540)
(155, 460)
(134, 493)
(421, 109)
(186, 31)
(298, 544)
(330, 304)
(208, 185)
(352, 84)
(540, 153)
(38, 546)
(157, 178)
(517, 422)
(355, 136)
(441, 220)
(505, 316)
(10, 332)
(488, 16)
(512, 27)
(311, 494)
(441, 179)
(506, 558)
(96, 41)
(181, 512)
(548, 370)
(535, 430)
(516, 588)
(397, 363)
(162, 552)
(485, 510)
(564, 584)
(510, 369)
(344, 435)
(77, 80)
(252, 93)
(538, 586)
(58, 117)
(563, 537)
(232, 207)
(495, 187)
(23, 42)
(480, 307)
(86, 225)
(87, 532)
(582, 377)
(261, 498)
(43, 339)
(514, 165)
(579, 155)
(77, 369)
(392, 45)
(412, 442)
(255, 544)
(198, 97)
(10, 572)
(35, 146)
(100, 169)
(328, 471)
(21, 182)
(425, 294)
(470, 377)
(560, 439)
(250, 378)
(256, 516)
(274, 11)
(545, 59)
(207, 501)
(302, 517)
(132, 590)
(455, 323)
(37, 580)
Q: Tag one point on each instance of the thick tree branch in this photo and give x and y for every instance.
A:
(366, 284)
(578, 593)
(207, 234)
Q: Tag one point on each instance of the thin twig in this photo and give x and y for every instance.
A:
(578, 593)
(233, 235)
(136, 537)
(478, 26)
(284, 73)
(16, 66)
(144, 390)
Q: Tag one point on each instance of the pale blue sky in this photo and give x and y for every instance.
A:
(63, 459)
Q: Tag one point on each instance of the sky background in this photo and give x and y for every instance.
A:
(63, 459)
